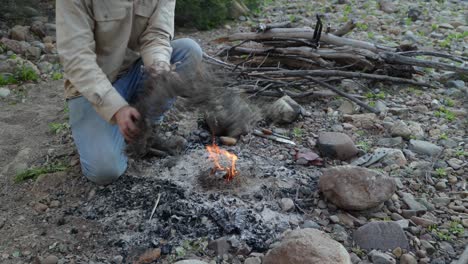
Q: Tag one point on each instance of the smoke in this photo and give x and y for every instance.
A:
(226, 112)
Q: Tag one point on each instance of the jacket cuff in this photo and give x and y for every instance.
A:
(111, 103)
(149, 58)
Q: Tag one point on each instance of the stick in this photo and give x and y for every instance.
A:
(334, 73)
(350, 97)
(345, 29)
(394, 58)
(434, 54)
(155, 206)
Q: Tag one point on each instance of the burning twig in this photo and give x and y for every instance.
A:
(155, 206)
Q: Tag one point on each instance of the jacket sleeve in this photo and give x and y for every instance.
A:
(156, 39)
(76, 46)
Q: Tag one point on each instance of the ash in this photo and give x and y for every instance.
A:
(246, 210)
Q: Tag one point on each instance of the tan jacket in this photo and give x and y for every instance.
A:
(98, 39)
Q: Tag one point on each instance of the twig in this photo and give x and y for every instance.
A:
(155, 206)
(394, 58)
(434, 54)
(345, 29)
(350, 97)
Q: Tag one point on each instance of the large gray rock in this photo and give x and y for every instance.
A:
(356, 188)
(381, 236)
(336, 145)
(307, 246)
(425, 147)
(284, 110)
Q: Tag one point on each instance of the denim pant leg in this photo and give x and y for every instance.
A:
(101, 145)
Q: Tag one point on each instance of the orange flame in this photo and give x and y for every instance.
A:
(216, 153)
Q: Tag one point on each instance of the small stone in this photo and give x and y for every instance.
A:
(408, 259)
(422, 221)
(347, 107)
(456, 164)
(335, 219)
(381, 258)
(51, 259)
(381, 235)
(336, 145)
(284, 110)
(54, 204)
(412, 203)
(421, 109)
(287, 204)
(310, 224)
(390, 142)
(254, 260)
(228, 141)
(397, 252)
(452, 179)
(387, 6)
(4, 92)
(190, 261)
(441, 185)
(365, 121)
(446, 247)
(220, 246)
(458, 84)
(425, 147)
(2, 222)
(403, 223)
(400, 129)
(446, 26)
(118, 259)
(40, 207)
(428, 247)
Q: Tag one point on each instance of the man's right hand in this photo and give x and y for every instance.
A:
(126, 118)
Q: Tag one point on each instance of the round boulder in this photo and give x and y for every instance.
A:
(356, 188)
(307, 246)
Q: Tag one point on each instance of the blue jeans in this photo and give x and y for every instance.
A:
(100, 144)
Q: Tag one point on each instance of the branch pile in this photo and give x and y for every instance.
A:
(273, 58)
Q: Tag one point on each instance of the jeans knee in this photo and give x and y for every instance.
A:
(193, 49)
(104, 171)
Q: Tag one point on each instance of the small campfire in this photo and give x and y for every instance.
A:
(219, 156)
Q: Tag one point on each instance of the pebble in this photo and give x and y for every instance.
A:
(428, 247)
(441, 185)
(381, 258)
(51, 259)
(400, 129)
(40, 207)
(228, 141)
(408, 259)
(336, 145)
(4, 92)
(422, 221)
(456, 164)
(254, 260)
(287, 204)
(381, 235)
(310, 224)
(2, 222)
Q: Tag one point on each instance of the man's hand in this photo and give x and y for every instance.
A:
(160, 67)
(126, 118)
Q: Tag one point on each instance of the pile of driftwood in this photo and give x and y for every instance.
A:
(276, 60)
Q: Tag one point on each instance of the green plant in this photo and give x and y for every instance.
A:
(298, 132)
(440, 234)
(13, 56)
(460, 152)
(441, 172)
(444, 112)
(57, 128)
(365, 146)
(370, 35)
(362, 26)
(381, 95)
(372, 103)
(449, 102)
(7, 80)
(57, 76)
(443, 136)
(434, 27)
(456, 228)
(359, 251)
(408, 21)
(25, 73)
(33, 173)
